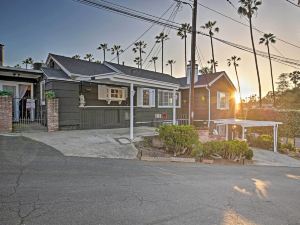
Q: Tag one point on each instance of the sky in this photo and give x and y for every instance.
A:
(34, 28)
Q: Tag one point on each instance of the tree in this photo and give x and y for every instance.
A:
(182, 32)
(137, 61)
(295, 78)
(210, 26)
(139, 47)
(283, 83)
(267, 39)
(17, 66)
(248, 8)
(104, 48)
(205, 70)
(234, 61)
(89, 57)
(76, 57)
(28, 61)
(213, 64)
(154, 58)
(170, 63)
(161, 38)
(116, 49)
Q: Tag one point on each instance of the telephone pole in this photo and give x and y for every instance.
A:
(193, 63)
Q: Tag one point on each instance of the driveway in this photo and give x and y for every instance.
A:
(270, 158)
(39, 185)
(100, 143)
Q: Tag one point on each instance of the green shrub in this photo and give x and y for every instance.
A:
(263, 141)
(249, 154)
(197, 151)
(179, 139)
(50, 94)
(5, 93)
(231, 150)
(288, 146)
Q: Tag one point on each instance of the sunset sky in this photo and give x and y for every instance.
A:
(36, 27)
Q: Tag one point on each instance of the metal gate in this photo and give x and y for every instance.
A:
(28, 115)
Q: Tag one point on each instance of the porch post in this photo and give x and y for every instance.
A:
(131, 110)
(32, 110)
(174, 107)
(227, 133)
(243, 133)
(274, 139)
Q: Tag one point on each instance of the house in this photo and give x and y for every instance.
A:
(108, 95)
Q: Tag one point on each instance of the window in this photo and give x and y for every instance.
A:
(42, 92)
(112, 93)
(222, 100)
(165, 99)
(146, 97)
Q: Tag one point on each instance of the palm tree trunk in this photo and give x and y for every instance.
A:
(271, 69)
(141, 58)
(104, 55)
(154, 66)
(26, 65)
(118, 57)
(162, 56)
(255, 58)
(185, 58)
(238, 80)
(212, 52)
(171, 70)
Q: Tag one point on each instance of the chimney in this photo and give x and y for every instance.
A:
(1, 55)
(188, 72)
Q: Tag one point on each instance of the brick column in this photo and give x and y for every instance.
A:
(52, 115)
(5, 114)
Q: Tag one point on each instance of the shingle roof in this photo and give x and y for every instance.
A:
(78, 66)
(202, 79)
(55, 73)
(147, 74)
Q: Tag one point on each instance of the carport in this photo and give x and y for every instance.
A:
(251, 123)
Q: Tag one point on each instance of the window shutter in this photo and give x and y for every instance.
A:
(152, 97)
(139, 97)
(125, 93)
(102, 92)
(227, 100)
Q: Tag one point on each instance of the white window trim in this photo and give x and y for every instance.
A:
(168, 107)
(227, 94)
(42, 92)
(152, 102)
(109, 98)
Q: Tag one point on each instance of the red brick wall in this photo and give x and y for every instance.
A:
(5, 114)
(52, 115)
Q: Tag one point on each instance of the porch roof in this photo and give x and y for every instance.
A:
(247, 123)
(20, 72)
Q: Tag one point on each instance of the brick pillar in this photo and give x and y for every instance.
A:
(52, 115)
(5, 114)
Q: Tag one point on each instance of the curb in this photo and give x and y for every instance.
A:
(167, 159)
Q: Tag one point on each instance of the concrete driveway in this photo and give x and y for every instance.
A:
(269, 158)
(100, 143)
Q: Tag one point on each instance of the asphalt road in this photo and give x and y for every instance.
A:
(38, 185)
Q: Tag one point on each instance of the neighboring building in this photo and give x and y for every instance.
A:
(94, 95)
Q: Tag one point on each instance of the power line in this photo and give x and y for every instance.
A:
(297, 5)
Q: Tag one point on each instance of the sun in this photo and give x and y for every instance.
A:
(237, 98)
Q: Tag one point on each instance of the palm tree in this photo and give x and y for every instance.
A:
(248, 8)
(116, 49)
(205, 70)
(170, 63)
(76, 57)
(137, 61)
(210, 26)
(17, 66)
(234, 61)
(182, 32)
(154, 58)
(27, 61)
(295, 78)
(267, 39)
(139, 46)
(160, 39)
(104, 48)
(89, 57)
(213, 64)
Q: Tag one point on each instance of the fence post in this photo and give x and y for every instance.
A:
(5, 114)
(52, 115)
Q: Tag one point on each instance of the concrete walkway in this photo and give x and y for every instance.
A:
(269, 158)
(100, 143)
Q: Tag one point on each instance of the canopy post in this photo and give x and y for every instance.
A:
(274, 139)
(174, 107)
(227, 133)
(131, 110)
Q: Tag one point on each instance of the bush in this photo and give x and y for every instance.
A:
(231, 150)
(197, 151)
(179, 139)
(5, 93)
(263, 141)
(288, 146)
(249, 154)
(50, 94)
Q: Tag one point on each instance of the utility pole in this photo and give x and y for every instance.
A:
(193, 63)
